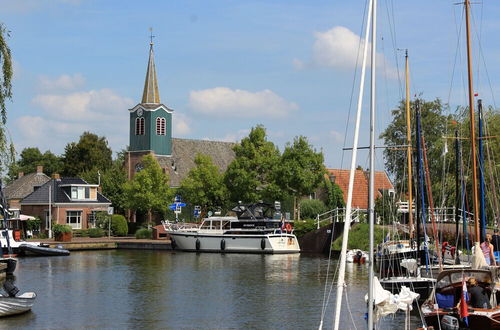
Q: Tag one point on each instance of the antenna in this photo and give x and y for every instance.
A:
(151, 36)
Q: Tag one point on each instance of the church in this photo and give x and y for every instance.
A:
(150, 132)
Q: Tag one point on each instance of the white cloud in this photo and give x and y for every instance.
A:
(182, 124)
(63, 82)
(223, 101)
(338, 48)
(93, 105)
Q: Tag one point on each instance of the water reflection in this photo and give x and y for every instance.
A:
(159, 289)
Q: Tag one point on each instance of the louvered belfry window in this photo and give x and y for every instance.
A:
(139, 126)
(160, 126)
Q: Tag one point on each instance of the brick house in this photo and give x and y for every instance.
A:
(71, 201)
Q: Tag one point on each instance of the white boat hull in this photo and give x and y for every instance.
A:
(254, 243)
(16, 305)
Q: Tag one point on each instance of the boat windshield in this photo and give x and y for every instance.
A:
(457, 277)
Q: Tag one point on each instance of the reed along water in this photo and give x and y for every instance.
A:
(132, 289)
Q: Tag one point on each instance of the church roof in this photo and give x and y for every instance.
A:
(184, 152)
(151, 93)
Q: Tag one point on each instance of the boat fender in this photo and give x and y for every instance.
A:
(222, 244)
(288, 227)
(10, 288)
(173, 244)
(197, 244)
(263, 244)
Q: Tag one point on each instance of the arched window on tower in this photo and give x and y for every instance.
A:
(160, 126)
(139, 126)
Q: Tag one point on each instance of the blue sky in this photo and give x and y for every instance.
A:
(225, 66)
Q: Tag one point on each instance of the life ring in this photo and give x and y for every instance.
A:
(288, 227)
(197, 244)
(222, 244)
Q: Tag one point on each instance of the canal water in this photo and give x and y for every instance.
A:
(130, 289)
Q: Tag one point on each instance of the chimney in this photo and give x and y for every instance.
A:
(20, 175)
(39, 169)
(56, 176)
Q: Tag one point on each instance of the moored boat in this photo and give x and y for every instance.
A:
(253, 230)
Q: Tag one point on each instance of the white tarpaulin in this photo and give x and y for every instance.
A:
(387, 303)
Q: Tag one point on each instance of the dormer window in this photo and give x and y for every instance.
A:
(80, 192)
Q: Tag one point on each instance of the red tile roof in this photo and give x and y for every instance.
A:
(360, 193)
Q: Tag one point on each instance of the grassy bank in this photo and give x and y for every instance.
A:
(359, 237)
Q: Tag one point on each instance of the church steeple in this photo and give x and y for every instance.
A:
(151, 93)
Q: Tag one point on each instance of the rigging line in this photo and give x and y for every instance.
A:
(458, 52)
(392, 29)
(353, 84)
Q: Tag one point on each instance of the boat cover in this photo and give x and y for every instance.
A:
(387, 303)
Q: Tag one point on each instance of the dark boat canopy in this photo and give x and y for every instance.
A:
(254, 211)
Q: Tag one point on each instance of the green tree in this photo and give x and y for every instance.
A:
(7, 151)
(310, 208)
(30, 158)
(334, 195)
(90, 152)
(385, 208)
(112, 180)
(204, 185)
(149, 190)
(301, 169)
(250, 176)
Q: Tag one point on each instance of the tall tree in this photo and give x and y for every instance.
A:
(7, 152)
(204, 185)
(30, 158)
(91, 151)
(149, 190)
(334, 195)
(250, 176)
(301, 169)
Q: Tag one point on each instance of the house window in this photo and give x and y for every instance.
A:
(139, 126)
(78, 192)
(160, 126)
(74, 219)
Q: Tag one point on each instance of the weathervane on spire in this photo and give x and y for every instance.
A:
(151, 36)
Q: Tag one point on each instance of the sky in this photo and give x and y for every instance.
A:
(226, 66)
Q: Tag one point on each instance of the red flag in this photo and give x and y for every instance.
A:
(463, 310)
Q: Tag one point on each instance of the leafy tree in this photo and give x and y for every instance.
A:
(334, 195)
(90, 152)
(301, 169)
(7, 151)
(30, 158)
(310, 208)
(149, 190)
(204, 185)
(112, 180)
(251, 175)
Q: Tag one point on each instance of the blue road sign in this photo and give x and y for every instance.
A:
(175, 206)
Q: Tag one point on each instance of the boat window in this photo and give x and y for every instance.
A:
(205, 225)
(445, 281)
(226, 224)
(215, 224)
(479, 276)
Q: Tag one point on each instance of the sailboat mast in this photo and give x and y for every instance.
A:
(482, 208)
(472, 123)
(347, 221)
(408, 148)
(371, 186)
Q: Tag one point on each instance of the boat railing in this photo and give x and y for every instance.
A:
(171, 226)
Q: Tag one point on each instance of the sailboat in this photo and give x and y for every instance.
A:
(448, 304)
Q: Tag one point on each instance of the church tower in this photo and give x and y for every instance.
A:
(150, 122)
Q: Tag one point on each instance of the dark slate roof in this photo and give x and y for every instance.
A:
(184, 152)
(24, 185)
(41, 195)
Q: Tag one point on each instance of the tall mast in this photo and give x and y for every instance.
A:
(482, 202)
(472, 123)
(347, 221)
(408, 148)
(371, 186)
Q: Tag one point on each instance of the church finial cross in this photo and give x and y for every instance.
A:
(151, 36)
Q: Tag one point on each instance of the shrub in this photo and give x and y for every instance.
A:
(359, 237)
(119, 225)
(102, 219)
(95, 232)
(310, 208)
(302, 227)
(81, 233)
(144, 233)
(33, 225)
(59, 229)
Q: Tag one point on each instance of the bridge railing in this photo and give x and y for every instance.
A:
(338, 215)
